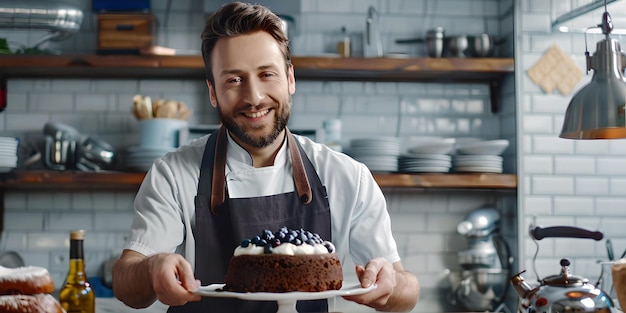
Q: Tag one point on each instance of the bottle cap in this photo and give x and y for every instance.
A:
(77, 235)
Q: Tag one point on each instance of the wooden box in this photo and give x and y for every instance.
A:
(120, 31)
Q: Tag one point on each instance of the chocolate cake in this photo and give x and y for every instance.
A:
(285, 261)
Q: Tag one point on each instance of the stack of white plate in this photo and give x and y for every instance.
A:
(380, 154)
(8, 154)
(424, 163)
(480, 156)
(141, 158)
(478, 163)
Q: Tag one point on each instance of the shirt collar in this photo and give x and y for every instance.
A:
(237, 153)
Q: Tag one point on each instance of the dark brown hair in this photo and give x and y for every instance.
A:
(238, 18)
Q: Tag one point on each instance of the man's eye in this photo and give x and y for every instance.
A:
(268, 74)
(235, 80)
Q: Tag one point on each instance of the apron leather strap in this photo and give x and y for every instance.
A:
(219, 170)
(218, 192)
(299, 174)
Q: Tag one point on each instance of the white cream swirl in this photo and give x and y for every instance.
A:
(287, 249)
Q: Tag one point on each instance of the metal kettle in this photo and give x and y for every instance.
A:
(564, 292)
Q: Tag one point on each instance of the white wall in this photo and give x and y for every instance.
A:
(562, 181)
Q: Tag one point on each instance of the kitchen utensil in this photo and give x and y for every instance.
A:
(609, 250)
(95, 154)
(435, 42)
(479, 288)
(486, 264)
(457, 46)
(372, 41)
(60, 145)
(481, 45)
(564, 292)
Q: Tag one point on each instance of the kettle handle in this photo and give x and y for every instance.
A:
(564, 231)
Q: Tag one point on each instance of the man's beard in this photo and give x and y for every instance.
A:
(238, 130)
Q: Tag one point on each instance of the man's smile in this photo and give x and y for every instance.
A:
(257, 114)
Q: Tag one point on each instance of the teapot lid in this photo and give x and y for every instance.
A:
(564, 279)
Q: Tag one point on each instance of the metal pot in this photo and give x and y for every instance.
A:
(483, 45)
(478, 46)
(435, 42)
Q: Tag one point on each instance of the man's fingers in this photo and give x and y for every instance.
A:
(369, 274)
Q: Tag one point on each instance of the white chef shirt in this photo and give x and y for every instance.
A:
(165, 214)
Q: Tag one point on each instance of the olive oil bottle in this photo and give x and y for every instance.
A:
(77, 296)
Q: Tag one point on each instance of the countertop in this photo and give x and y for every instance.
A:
(113, 305)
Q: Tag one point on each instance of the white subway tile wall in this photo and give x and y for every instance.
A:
(563, 182)
(37, 222)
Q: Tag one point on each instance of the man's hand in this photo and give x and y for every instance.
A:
(396, 289)
(172, 279)
(139, 280)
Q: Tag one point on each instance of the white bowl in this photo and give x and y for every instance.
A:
(435, 146)
(487, 147)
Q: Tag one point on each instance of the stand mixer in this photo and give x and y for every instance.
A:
(482, 283)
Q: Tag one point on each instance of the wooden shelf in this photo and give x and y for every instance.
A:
(468, 180)
(122, 180)
(470, 70)
(191, 66)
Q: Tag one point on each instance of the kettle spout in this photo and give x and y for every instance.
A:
(523, 289)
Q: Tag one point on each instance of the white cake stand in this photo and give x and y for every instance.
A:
(286, 301)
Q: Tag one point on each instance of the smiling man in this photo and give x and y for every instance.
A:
(196, 204)
(253, 97)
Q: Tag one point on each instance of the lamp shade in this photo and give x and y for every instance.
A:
(597, 110)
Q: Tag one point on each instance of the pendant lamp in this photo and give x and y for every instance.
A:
(597, 110)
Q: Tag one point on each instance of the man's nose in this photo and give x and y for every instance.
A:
(254, 92)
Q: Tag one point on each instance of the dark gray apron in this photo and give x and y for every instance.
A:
(222, 223)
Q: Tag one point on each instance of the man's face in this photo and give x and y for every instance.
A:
(252, 90)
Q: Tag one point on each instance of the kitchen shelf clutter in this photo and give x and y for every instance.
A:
(385, 69)
(43, 179)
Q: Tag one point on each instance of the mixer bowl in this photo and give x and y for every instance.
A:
(478, 289)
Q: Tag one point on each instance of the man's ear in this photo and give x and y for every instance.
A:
(212, 97)
(291, 77)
